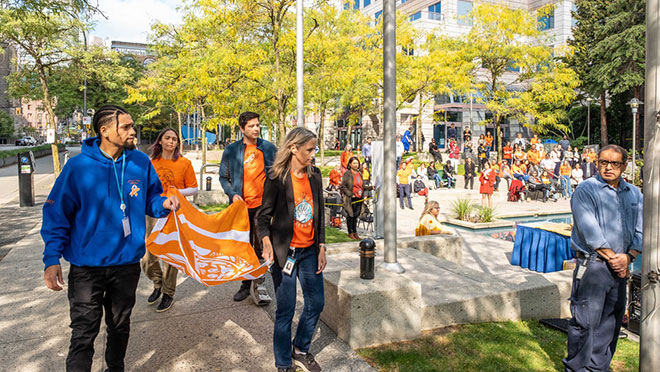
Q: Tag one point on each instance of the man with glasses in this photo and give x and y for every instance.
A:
(607, 237)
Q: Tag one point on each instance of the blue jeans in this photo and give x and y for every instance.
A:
(566, 186)
(285, 294)
(437, 179)
(404, 192)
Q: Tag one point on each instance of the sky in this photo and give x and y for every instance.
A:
(130, 20)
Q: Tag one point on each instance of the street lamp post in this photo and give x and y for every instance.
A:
(634, 106)
(589, 99)
(300, 108)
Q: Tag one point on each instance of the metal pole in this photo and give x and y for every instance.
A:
(300, 97)
(649, 358)
(389, 119)
(634, 111)
(588, 121)
(85, 86)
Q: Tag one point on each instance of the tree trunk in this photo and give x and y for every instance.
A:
(178, 117)
(321, 135)
(419, 124)
(202, 127)
(498, 134)
(603, 120)
(51, 118)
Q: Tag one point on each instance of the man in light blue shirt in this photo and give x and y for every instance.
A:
(366, 151)
(607, 236)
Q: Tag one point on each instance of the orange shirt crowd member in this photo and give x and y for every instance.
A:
(592, 155)
(303, 223)
(519, 155)
(335, 177)
(489, 140)
(177, 173)
(507, 152)
(254, 176)
(533, 156)
(534, 140)
(343, 158)
(243, 172)
(565, 170)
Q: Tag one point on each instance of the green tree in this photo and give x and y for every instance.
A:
(519, 76)
(6, 125)
(46, 32)
(590, 17)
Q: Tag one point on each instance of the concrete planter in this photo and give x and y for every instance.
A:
(480, 225)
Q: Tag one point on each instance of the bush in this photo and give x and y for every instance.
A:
(486, 214)
(462, 208)
(10, 153)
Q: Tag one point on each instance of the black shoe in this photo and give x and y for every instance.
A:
(243, 292)
(402, 207)
(155, 295)
(410, 207)
(165, 304)
(306, 362)
(290, 369)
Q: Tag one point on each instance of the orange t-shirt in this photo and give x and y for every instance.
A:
(344, 158)
(489, 140)
(303, 213)
(254, 176)
(565, 170)
(179, 173)
(533, 141)
(593, 156)
(335, 177)
(534, 157)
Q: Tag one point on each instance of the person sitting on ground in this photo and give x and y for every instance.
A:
(335, 178)
(419, 187)
(428, 222)
(448, 175)
(433, 175)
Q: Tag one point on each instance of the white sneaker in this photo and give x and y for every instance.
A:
(259, 294)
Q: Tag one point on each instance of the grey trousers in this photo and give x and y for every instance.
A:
(163, 278)
(598, 303)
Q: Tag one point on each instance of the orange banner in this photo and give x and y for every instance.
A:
(212, 249)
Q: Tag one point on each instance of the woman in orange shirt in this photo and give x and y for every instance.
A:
(489, 142)
(565, 174)
(352, 188)
(507, 153)
(291, 227)
(335, 178)
(343, 158)
(174, 171)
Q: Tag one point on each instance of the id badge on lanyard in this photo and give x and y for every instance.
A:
(125, 222)
(290, 262)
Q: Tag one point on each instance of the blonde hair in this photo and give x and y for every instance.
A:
(428, 207)
(282, 164)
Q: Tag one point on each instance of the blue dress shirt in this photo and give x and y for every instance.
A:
(605, 217)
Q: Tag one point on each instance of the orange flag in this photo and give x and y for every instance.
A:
(212, 249)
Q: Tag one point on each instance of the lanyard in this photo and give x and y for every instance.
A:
(120, 187)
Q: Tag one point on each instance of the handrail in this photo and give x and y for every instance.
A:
(201, 172)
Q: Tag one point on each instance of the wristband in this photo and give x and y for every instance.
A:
(632, 258)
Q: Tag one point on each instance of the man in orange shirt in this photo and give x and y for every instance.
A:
(243, 169)
(534, 156)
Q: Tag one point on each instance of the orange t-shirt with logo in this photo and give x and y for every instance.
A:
(254, 176)
(179, 173)
(303, 213)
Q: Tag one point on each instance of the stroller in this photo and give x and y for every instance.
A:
(333, 201)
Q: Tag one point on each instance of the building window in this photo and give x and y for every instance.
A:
(547, 21)
(378, 15)
(435, 11)
(573, 14)
(356, 4)
(463, 13)
(366, 3)
(416, 16)
(404, 1)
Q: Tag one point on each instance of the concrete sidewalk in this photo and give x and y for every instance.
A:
(204, 331)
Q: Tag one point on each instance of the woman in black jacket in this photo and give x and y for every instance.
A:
(352, 189)
(469, 173)
(291, 227)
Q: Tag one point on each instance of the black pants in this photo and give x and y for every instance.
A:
(254, 240)
(469, 180)
(351, 221)
(91, 290)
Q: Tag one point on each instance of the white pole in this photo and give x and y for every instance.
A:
(633, 143)
(300, 97)
(389, 119)
(649, 357)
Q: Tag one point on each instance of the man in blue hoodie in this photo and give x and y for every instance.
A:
(94, 218)
(243, 170)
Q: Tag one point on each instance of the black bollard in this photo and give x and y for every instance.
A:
(367, 256)
(208, 183)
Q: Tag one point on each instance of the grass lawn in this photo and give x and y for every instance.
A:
(333, 235)
(214, 208)
(525, 346)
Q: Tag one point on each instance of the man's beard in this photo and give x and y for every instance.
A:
(129, 145)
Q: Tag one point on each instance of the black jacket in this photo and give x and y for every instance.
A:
(469, 170)
(275, 218)
(592, 169)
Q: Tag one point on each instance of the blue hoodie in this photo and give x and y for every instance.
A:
(82, 219)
